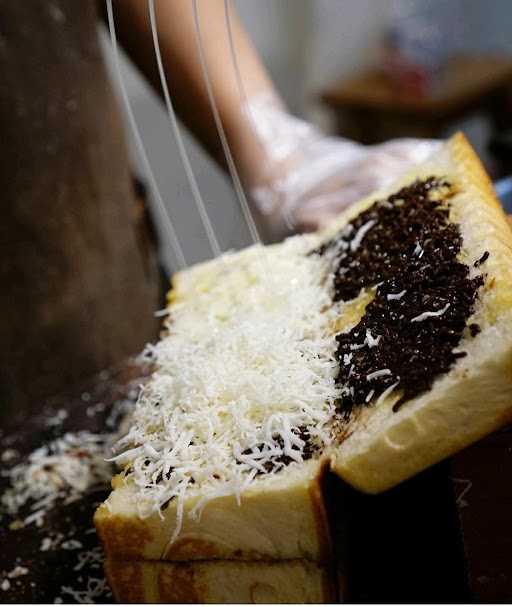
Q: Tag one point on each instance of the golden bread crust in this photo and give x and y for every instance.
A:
(126, 581)
(274, 522)
(294, 581)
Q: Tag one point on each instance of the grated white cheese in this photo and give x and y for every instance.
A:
(8, 455)
(418, 250)
(46, 544)
(161, 313)
(93, 409)
(379, 373)
(387, 392)
(96, 587)
(361, 233)
(369, 396)
(371, 341)
(247, 362)
(391, 296)
(425, 315)
(18, 571)
(91, 558)
(358, 346)
(64, 469)
(71, 545)
(58, 418)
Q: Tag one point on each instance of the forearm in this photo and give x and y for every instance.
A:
(177, 37)
(297, 178)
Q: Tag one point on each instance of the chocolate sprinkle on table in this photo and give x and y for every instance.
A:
(423, 298)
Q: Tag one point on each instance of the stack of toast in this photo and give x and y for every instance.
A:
(371, 350)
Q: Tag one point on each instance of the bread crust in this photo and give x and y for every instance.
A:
(475, 398)
(275, 521)
(293, 581)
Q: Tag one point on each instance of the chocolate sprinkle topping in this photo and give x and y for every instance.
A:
(424, 296)
(482, 259)
(474, 329)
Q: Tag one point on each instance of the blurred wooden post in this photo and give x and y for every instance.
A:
(78, 281)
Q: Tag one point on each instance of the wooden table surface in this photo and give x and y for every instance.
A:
(444, 536)
(93, 407)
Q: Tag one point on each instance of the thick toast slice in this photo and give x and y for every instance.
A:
(278, 518)
(455, 387)
(296, 581)
(280, 515)
(474, 398)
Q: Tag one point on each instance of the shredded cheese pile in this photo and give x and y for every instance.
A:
(62, 470)
(65, 469)
(248, 362)
(96, 588)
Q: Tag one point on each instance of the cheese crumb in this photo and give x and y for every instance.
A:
(361, 233)
(96, 587)
(8, 455)
(46, 544)
(64, 469)
(18, 571)
(370, 340)
(387, 392)
(369, 396)
(58, 418)
(392, 296)
(379, 373)
(425, 315)
(92, 558)
(71, 545)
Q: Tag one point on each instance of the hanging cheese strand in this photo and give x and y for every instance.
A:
(239, 81)
(169, 228)
(210, 233)
(222, 135)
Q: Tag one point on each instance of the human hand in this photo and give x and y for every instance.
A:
(311, 178)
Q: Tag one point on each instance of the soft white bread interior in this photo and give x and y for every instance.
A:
(296, 581)
(473, 399)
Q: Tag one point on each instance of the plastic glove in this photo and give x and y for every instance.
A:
(309, 178)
